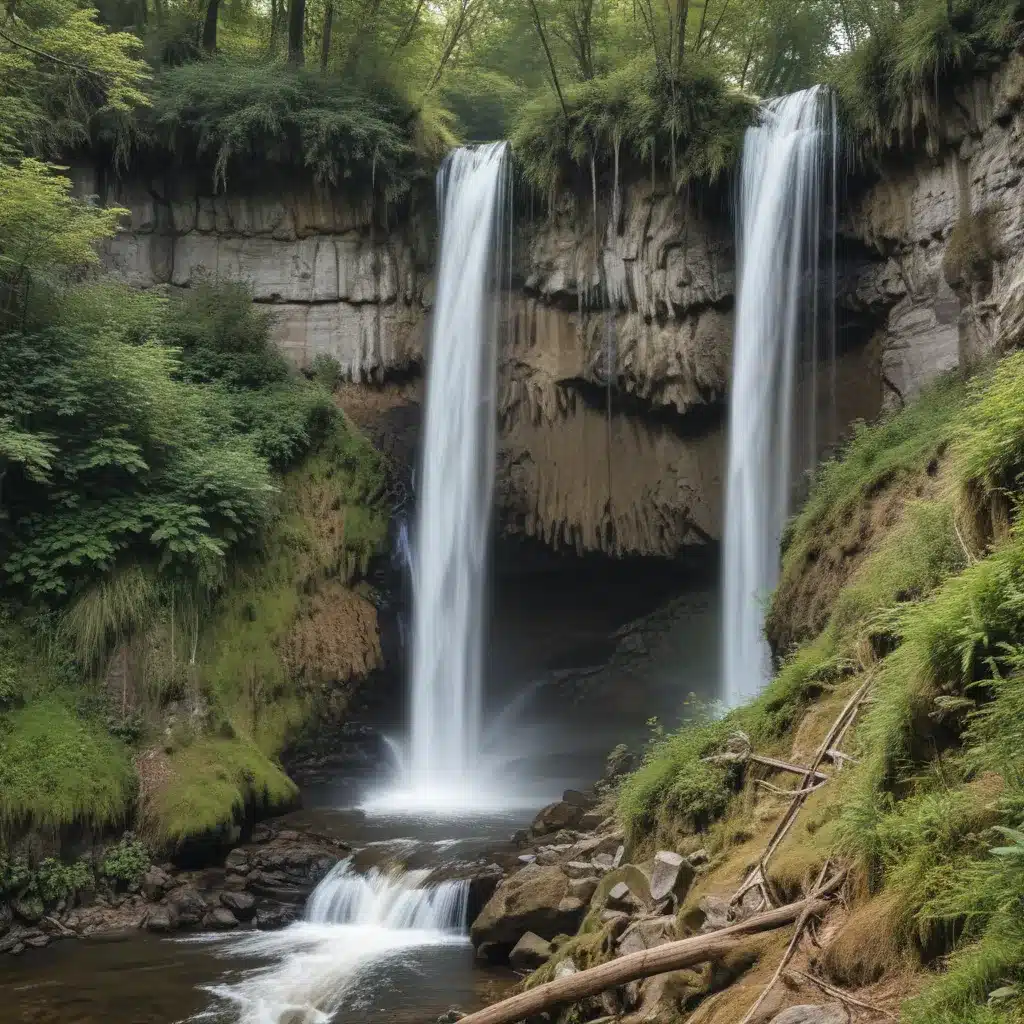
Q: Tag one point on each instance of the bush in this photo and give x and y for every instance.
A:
(234, 114)
(125, 863)
(691, 127)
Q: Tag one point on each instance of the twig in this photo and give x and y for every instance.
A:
(794, 942)
(789, 792)
(840, 995)
(839, 758)
(769, 762)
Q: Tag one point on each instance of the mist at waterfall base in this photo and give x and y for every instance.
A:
(319, 969)
(784, 330)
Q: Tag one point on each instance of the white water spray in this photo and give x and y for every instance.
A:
(780, 206)
(353, 924)
(454, 501)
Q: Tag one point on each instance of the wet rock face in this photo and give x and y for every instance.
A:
(948, 232)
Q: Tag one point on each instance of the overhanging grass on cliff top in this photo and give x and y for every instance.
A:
(894, 84)
(210, 783)
(690, 127)
(236, 115)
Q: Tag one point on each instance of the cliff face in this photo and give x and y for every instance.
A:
(645, 479)
(947, 232)
(336, 283)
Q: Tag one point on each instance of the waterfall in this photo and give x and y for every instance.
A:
(353, 924)
(456, 483)
(782, 176)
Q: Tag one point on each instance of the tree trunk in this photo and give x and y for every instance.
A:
(325, 39)
(673, 956)
(296, 32)
(210, 26)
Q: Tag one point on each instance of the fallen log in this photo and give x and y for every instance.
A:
(672, 956)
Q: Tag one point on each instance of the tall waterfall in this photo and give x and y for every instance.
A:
(782, 187)
(353, 923)
(454, 499)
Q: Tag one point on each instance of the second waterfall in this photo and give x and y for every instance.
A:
(789, 162)
(451, 539)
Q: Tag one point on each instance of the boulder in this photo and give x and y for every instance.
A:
(155, 883)
(578, 869)
(532, 900)
(28, 908)
(220, 919)
(617, 920)
(241, 904)
(271, 918)
(160, 920)
(6, 919)
(188, 906)
(831, 1013)
(592, 820)
(717, 913)
(529, 953)
(556, 816)
(671, 875)
(583, 888)
(647, 933)
(578, 799)
(36, 940)
(636, 894)
(237, 861)
(566, 968)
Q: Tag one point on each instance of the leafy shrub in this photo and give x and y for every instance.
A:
(125, 863)
(55, 880)
(234, 113)
(15, 875)
(692, 126)
(326, 371)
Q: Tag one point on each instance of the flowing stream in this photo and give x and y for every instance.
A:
(782, 182)
(352, 922)
(442, 767)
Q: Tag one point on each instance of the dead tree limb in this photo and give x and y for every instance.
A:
(791, 949)
(839, 994)
(672, 956)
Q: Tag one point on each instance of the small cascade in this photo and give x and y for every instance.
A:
(381, 900)
(451, 541)
(353, 925)
(788, 161)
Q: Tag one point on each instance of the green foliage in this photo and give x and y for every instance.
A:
(877, 455)
(232, 113)
(892, 84)
(214, 780)
(57, 769)
(675, 787)
(55, 880)
(125, 863)
(690, 124)
(326, 371)
(990, 450)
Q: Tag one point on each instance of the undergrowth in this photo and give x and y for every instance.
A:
(931, 613)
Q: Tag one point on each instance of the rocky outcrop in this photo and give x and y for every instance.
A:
(643, 476)
(948, 233)
(336, 281)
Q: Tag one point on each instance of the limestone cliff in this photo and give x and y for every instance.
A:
(947, 231)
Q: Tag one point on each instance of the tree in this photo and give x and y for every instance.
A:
(296, 32)
(325, 38)
(210, 26)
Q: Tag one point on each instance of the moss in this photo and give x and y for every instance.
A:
(58, 769)
(970, 251)
(209, 783)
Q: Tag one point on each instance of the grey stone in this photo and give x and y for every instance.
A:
(647, 933)
(272, 918)
(36, 940)
(717, 913)
(188, 906)
(559, 815)
(579, 799)
(160, 920)
(565, 968)
(220, 919)
(830, 1013)
(241, 904)
(237, 860)
(671, 875)
(604, 862)
(529, 952)
(578, 869)
(6, 919)
(583, 888)
(156, 882)
(592, 820)
(532, 900)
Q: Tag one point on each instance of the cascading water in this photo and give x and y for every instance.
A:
(456, 483)
(353, 923)
(780, 214)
